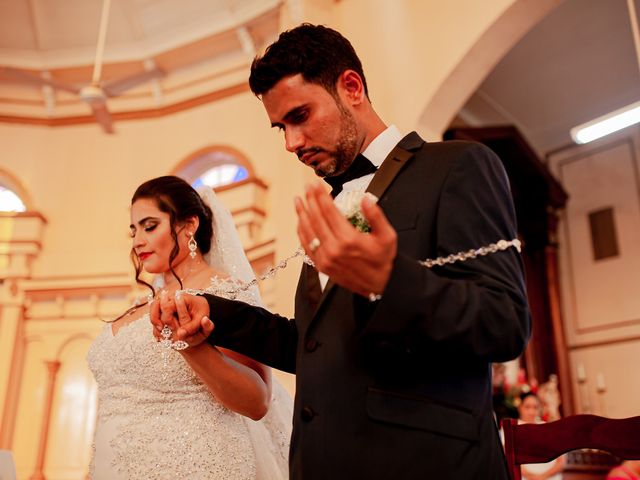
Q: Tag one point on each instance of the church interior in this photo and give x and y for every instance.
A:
(170, 97)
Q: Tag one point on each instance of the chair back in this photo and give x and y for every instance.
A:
(543, 442)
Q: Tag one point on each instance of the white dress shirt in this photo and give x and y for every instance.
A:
(376, 152)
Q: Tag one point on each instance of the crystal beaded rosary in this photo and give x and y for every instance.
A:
(349, 207)
(499, 246)
(232, 293)
(167, 344)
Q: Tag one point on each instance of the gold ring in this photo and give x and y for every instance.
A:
(314, 244)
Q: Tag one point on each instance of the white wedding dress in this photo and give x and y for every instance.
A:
(158, 421)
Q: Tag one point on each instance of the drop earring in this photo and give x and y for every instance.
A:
(193, 245)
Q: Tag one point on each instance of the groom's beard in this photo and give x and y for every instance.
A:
(346, 147)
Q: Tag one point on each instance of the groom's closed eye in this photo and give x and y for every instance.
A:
(295, 116)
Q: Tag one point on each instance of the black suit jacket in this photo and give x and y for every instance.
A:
(401, 388)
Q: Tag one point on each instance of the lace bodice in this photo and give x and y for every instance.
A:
(157, 421)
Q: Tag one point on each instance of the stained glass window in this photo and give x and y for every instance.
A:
(222, 175)
(215, 168)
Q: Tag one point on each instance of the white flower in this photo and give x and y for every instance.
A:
(349, 206)
(349, 202)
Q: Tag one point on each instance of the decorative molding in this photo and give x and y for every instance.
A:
(604, 343)
(251, 180)
(250, 209)
(76, 297)
(132, 114)
(20, 242)
(52, 371)
(27, 214)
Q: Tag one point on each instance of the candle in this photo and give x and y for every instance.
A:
(582, 374)
(600, 386)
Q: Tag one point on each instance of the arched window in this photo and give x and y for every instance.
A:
(222, 175)
(231, 174)
(215, 167)
(10, 201)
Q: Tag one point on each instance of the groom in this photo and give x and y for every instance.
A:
(392, 359)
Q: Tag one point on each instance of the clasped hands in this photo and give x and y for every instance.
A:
(186, 315)
(360, 262)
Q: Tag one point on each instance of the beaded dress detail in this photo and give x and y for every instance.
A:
(157, 422)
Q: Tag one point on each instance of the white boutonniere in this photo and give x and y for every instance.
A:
(349, 205)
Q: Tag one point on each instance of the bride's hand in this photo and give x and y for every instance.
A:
(195, 325)
(162, 312)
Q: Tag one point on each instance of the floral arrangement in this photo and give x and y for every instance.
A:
(349, 205)
(506, 395)
(513, 392)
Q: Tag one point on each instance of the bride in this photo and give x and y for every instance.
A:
(161, 414)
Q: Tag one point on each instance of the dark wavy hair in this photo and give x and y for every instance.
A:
(320, 54)
(177, 198)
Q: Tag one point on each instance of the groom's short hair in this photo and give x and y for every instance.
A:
(320, 54)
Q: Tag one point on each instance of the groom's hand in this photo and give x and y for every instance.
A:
(357, 261)
(193, 317)
(186, 316)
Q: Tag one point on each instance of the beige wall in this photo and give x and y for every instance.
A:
(600, 298)
(411, 46)
(81, 180)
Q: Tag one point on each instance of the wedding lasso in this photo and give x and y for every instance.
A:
(232, 294)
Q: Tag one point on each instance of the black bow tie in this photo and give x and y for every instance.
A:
(360, 167)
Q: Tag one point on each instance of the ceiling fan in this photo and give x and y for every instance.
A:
(96, 93)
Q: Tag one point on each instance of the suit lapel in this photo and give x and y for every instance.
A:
(314, 289)
(389, 169)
